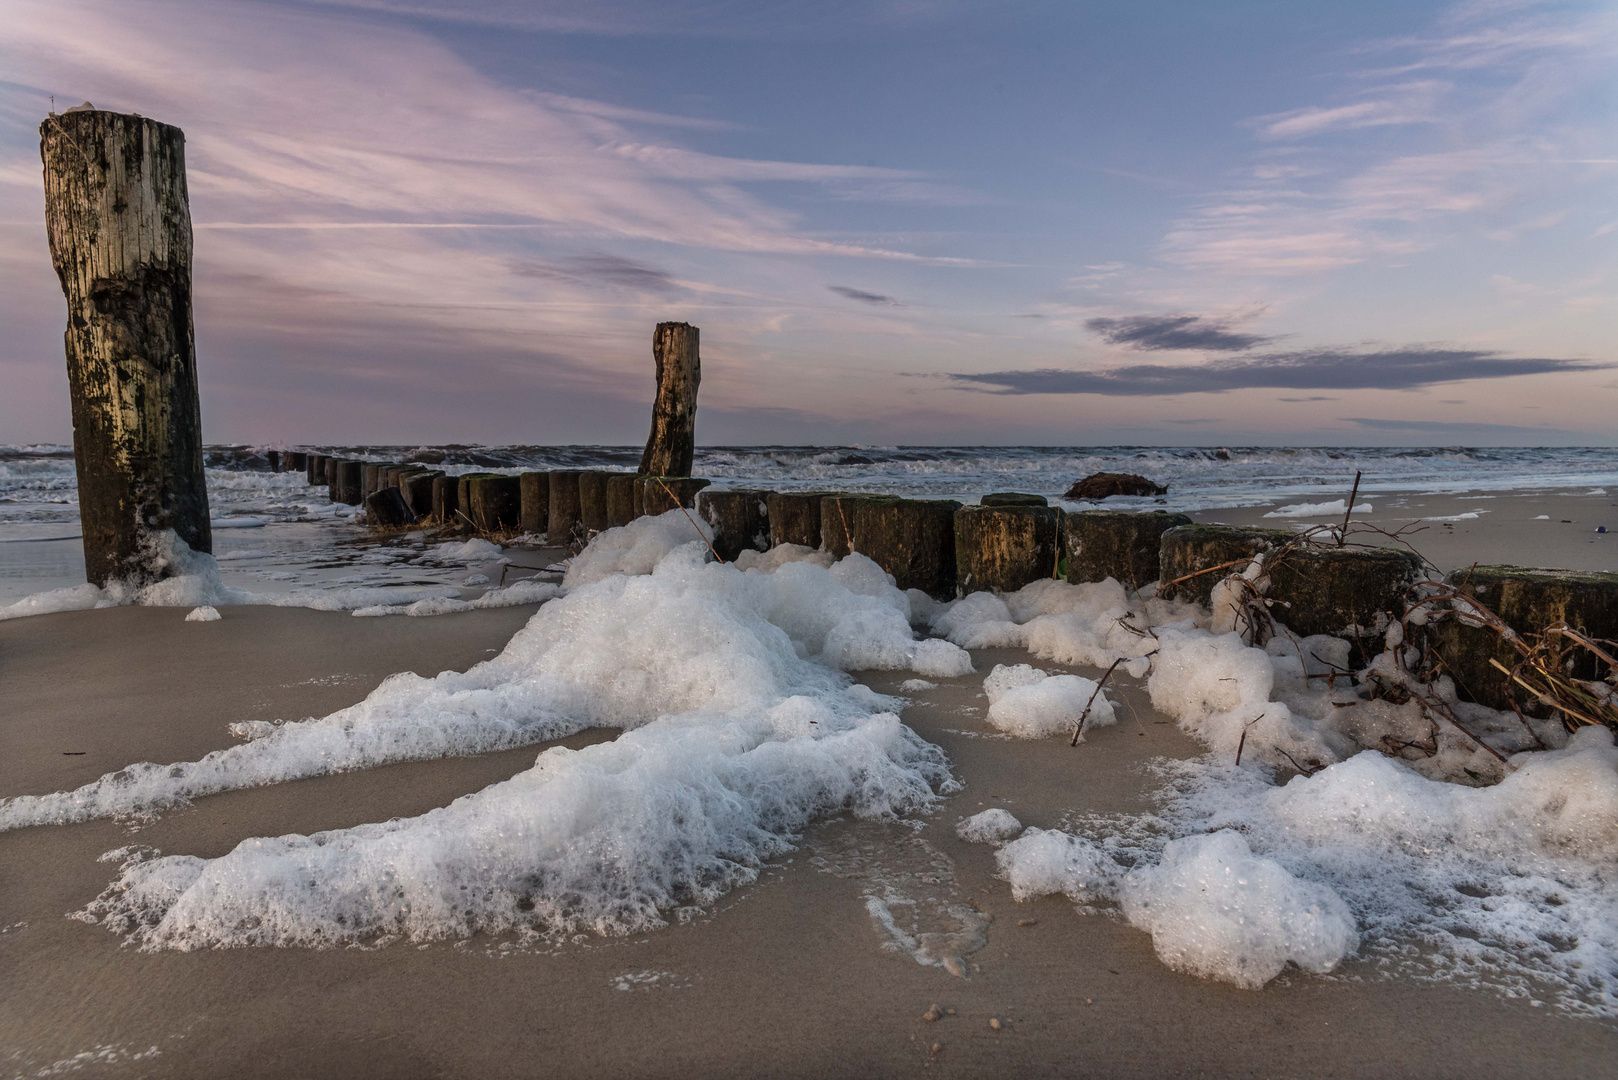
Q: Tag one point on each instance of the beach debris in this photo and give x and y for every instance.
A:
(994, 1023)
(933, 1014)
(1116, 544)
(205, 613)
(740, 520)
(671, 445)
(1012, 498)
(1002, 548)
(1105, 485)
(118, 222)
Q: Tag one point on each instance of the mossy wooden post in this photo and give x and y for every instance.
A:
(1530, 602)
(565, 526)
(593, 502)
(536, 501)
(620, 499)
(795, 517)
(656, 492)
(118, 220)
(740, 520)
(912, 539)
(1002, 548)
(463, 497)
(346, 483)
(496, 502)
(671, 446)
(446, 489)
(1117, 544)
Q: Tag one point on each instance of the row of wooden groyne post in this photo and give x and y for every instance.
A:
(947, 549)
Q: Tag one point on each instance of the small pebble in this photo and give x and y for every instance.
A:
(949, 1012)
(995, 1024)
(1087, 1001)
(936, 1047)
(1027, 922)
(932, 1014)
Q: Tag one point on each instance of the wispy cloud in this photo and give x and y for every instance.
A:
(611, 270)
(1465, 428)
(861, 295)
(1321, 369)
(1164, 332)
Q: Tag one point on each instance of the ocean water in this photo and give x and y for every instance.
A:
(273, 530)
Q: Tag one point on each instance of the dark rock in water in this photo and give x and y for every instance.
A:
(565, 525)
(912, 539)
(1222, 454)
(417, 489)
(1529, 601)
(446, 490)
(795, 517)
(1104, 485)
(740, 520)
(1115, 544)
(656, 492)
(1003, 548)
(346, 483)
(386, 509)
(536, 501)
(495, 503)
(593, 501)
(1013, 498)
(855, 459)
(429, 457)
(1187, 549)
(620, 499)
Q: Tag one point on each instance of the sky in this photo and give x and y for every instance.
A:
(1332, 222)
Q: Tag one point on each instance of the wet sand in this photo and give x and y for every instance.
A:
(1506, 529)
(788, 977)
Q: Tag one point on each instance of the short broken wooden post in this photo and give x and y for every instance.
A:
(386, 509)
(445, 503)
(912, 539)
(620, 499)
(1002, 548)
(417, 489)
(1117, 544)
(296, 461)
(740, 520)
(118, 220)
(313, 468)
(495, 503)
(593, 501)
(564, 525)
(536, 501)
(795, 517)
(671, 446)
(346, 483)
(660, 494)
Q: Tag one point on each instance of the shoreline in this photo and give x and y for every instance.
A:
(785, 977)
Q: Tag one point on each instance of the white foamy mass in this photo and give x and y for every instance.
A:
(741, 729)
(992, 826)
(1033, 704)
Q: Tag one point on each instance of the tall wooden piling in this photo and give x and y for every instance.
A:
(671, 446)
(118, 220)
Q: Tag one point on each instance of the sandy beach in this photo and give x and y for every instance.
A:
(787, 977)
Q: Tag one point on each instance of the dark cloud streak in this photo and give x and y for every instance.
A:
(1320, 369)
(862, 296)
(1162, 332)
(601, 269)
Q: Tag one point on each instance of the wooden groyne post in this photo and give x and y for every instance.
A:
(671, 446)
(119, 224)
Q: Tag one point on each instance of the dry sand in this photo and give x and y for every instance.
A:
(1505, 530)
(788, 977)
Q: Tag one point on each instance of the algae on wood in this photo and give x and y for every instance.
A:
(1116, 544)
(1002, 548)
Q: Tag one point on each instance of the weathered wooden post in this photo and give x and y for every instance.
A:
(621, 499)
(593, 502)
(1117, 544)
(417, 489)
(740, 520)
(495, 502)
(795, 517)
(119, 224)
(346, 483)
(445, 490)
(564, 526)
(660, 494)
(671, 446)
(1003, 547)
(536, 501)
